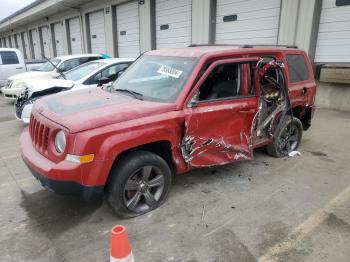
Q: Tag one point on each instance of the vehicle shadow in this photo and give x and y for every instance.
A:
(54, 214)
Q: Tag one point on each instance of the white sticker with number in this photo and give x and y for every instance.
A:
(169, 71)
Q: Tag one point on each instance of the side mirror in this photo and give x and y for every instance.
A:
(194, 101)
(120, 73)
(102, 81)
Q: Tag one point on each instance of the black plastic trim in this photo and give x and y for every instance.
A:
(67, 187)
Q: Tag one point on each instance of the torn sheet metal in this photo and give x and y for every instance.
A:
(220, 134)
(207, 151)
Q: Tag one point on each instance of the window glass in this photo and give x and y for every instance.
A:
(83, 60)
(82, 71)
(223, 82)
(112, 72)
(297, 68)
(342, 2)
(9, 58)
(69, 64)
(48, 67)
(157, 78)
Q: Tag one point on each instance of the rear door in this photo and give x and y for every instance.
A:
(300, 79)
(128, 28)
(219, 117)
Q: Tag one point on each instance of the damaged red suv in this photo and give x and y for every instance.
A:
(171, 111)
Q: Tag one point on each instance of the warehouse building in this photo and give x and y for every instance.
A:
(126, 28)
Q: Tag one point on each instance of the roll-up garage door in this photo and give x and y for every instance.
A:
(247, 22)
(97, 32)
(26, 45)
(173, 23)
(13, 41)
(9, 43)
(35, 43)
(128, 29)
(333, 41)
(75, 35)
(45, 40)
(19, 42)
(58, 43)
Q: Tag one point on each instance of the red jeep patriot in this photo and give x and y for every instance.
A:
(171, 111)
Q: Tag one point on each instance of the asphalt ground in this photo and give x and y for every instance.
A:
(268, 209)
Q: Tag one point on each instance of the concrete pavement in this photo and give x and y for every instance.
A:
(290, 209)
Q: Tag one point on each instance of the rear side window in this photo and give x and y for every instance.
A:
(9, 58)
(84, 60)
(297, 68)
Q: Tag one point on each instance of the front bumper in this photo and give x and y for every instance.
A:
(23, 112)
(61, 178)
(11, 93)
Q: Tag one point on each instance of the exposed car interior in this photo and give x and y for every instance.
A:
(223, 82)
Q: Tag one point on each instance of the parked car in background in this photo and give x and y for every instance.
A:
(12, 63)
(170, 112)
(90, 74)
(50, 69)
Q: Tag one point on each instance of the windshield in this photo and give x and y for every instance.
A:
(81, 71)
(48, 67)
(156, 78)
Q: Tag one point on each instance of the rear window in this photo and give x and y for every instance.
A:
(8, 58)
(297, 68)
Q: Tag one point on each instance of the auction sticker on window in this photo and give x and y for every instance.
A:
(169, 71)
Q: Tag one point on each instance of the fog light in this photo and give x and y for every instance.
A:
(80, 159)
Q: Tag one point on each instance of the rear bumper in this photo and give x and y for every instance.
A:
(64, 177)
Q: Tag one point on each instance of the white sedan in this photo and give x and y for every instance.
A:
(91, 74)
(51, 69)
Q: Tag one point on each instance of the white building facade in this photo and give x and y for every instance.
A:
(126, 28)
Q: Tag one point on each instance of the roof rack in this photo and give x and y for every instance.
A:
(257, 45)
(244, 45)
(198, 45)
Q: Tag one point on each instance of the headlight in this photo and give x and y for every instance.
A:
(18, 85)
(60, 142)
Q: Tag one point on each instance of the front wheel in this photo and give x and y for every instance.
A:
(139, 183)
(287, 138)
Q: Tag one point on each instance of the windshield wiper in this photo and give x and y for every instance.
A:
(133, 93)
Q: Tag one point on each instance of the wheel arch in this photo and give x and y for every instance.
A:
(162, 148)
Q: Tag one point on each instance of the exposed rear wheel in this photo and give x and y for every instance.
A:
(139, 183)
(287, 139)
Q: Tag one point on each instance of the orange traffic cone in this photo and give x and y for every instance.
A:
(120, 246)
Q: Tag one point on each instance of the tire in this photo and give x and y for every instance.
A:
(279, 146)
(139, 183)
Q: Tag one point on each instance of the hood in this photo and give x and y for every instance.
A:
(93, 107)
(35, 85)
(31, 75)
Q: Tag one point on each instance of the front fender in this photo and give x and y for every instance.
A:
(108, 143)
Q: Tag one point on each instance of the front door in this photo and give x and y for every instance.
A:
(219, 117)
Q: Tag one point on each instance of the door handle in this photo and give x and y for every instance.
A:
(247, 111)
(19, 67)
(304, 91)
